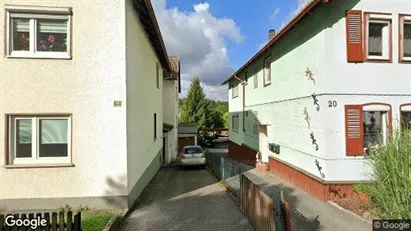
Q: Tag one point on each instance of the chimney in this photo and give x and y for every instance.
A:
(271, 34)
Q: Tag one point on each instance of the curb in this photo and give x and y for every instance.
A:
(349, 212)
(114, 221)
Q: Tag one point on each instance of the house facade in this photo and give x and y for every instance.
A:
(171, 89)
(334, 81)
(82, 103)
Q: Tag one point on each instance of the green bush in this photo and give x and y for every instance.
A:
(391, 171)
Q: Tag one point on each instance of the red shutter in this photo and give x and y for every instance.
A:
(353, 20)
(354, 130)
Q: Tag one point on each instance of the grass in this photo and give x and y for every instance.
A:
(96, 220)
(391, 172)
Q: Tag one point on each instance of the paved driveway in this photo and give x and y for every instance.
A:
(189, 199)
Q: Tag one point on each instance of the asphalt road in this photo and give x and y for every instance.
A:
(190, 199)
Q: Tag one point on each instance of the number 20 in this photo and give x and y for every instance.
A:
(332, 103)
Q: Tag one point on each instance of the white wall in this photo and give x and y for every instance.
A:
(170, 110)
(85, 86)
(144, 99)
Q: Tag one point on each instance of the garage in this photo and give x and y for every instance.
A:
(183, 141)
(187, 135)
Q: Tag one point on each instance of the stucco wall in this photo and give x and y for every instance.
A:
(85, 86)
(170, 110)
(144, 99)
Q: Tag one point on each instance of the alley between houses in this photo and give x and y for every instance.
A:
(190, 199)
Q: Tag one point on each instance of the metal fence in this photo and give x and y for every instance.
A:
(264, 205)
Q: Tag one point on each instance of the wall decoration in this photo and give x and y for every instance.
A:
(319, 168)
(309, 74)
(314, 141)
(336, 191)
(307, 117)
(315, 101)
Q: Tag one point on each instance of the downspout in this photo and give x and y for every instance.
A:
(243, 83)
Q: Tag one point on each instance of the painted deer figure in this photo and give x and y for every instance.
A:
(307, 117)
(309, 74)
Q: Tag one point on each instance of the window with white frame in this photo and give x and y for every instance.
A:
(267, 71)
(37, 32)
(234, 89)
(376, 127)
(235, 122)
(406, 118)
(39, 140)
(405, 36)
(378, 36)
(255, 78)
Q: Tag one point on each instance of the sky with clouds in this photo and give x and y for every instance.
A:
(216, 37)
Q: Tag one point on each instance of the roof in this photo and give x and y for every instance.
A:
(148, 19)
(310, 7)
(175, 68)
(167, 127)
(187, 128)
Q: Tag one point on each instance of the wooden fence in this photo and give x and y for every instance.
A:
(260, 210)
(41, 221)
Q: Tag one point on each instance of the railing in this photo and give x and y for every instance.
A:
(41, 221)
(265, 207)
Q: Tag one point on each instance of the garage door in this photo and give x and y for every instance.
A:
(183, 141)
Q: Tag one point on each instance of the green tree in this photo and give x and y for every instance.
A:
(196, 108)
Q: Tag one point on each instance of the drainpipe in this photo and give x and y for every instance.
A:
(243, 82)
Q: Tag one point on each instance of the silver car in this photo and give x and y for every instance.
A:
(192, 155)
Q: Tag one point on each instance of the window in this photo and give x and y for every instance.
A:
(405, 38)
(234, 90)
(366, 126)
(246, 76)
(38, 33)
(267, 71)
(256, 123)
(193, 150)
(157, 76)
(39, 140)
(378, 36)
(255, 78)
(235, 122)
(155, 126)
(405, 117)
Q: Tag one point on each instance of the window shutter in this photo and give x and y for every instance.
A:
(354, 130)
(354, 36)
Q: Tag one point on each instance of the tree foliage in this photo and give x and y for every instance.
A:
(196, 108)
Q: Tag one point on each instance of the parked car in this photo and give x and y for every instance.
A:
(192, 155)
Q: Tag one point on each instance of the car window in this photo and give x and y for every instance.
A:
(193, 150)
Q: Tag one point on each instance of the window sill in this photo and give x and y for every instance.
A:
(12, 166)
(405, 61)
(378, 60)
(267, 84)
(57, 57)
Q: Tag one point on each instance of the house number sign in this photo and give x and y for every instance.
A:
(332, 103)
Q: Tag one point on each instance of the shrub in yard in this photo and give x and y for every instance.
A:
(391, 171)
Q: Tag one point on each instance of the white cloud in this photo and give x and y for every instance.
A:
(273, 16)
(199, 38)
(300, 5)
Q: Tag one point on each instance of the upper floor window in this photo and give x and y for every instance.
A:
(405, 38)
(158, 76)
(38, 32)
(246, 76)
(234, 90)
(255, 78)
(378, 36)
(405, 116)
(267, 71)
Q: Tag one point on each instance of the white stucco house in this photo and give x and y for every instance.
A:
(82, 102)
(171, 90)
(333, 81)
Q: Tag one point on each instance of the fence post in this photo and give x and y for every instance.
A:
(77, 222)
(222, 168)
(285, 207)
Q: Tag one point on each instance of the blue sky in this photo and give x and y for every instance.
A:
(216, 37)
